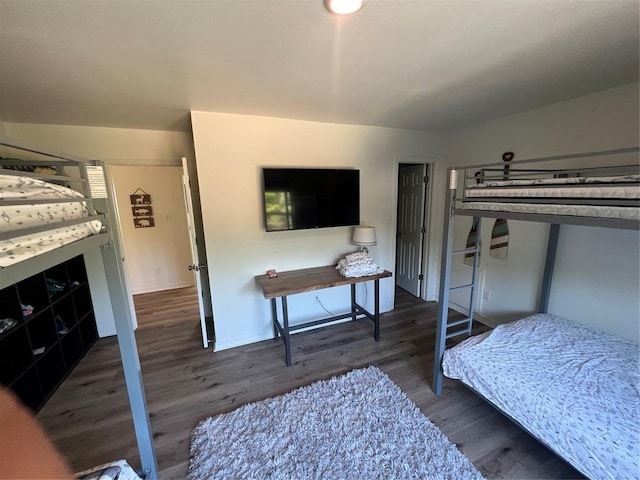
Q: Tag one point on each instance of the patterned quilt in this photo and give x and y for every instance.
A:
(576, 389)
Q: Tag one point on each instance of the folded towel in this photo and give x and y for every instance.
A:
(360, 271)
(358, 257)
(343, 263)
(358, 265)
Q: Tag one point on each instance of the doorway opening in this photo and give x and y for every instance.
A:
(413, 182)
(158, 252)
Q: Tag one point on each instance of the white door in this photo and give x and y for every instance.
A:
(410, 233)
(201, 276)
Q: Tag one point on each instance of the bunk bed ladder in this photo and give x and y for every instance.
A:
(467, 321)
(443, 325)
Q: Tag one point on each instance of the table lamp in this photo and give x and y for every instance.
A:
(364, 236)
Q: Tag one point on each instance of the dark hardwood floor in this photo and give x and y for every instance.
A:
(89, 418)
(167, 307)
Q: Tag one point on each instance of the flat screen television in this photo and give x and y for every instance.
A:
(302, 198)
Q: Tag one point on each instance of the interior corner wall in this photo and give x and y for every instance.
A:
(112, 145)
(157, 256)
(230, 151)
(596, 280)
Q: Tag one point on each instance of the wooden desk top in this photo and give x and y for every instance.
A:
(307, 280)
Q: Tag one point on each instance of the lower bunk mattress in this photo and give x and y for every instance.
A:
(575, 389)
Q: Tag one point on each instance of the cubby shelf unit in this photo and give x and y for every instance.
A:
(43, 347)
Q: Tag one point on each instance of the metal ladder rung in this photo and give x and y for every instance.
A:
(466, 250)
(459, 332)
(459, 322)
(463, 286)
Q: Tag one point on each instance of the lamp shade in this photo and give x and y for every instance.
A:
(364, 236)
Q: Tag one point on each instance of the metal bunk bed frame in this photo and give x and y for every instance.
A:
(107, 241)
(452, 208)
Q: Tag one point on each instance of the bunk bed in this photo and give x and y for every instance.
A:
(54, 208)
(573, 388)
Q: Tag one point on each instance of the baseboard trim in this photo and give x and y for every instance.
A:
(239, 342)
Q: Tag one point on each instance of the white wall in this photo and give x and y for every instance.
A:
(230, 151)
(112, 145)
(157, 257)
(597, 270)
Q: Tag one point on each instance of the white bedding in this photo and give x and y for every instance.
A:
(600, 211)
(13, 218)
(16, 217)
(623, 187)
(631, 179)
(576, 389)
(14, 187)
(616, 192)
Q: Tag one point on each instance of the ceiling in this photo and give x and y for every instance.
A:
(416, 64)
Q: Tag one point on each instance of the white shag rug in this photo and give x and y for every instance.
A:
(358, 425)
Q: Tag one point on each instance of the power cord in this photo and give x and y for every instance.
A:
(323, 307)
(364, 304)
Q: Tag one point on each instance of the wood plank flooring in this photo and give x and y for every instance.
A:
(89, 418)
(163, 308)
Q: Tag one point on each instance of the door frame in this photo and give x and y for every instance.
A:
(145, 163)
(428, 214)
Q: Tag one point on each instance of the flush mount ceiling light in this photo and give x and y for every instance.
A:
(343, 7)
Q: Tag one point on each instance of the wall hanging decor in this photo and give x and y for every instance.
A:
(141, 209)
(140, 197)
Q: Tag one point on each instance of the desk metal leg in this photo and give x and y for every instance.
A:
(353, 302)
(376, 289)
(287, 340)
(274, 318)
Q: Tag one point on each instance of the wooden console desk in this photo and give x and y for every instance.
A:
(307, 280)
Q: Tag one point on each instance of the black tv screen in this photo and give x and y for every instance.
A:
(300, 198)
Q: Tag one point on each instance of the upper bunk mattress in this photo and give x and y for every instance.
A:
(576, 389)
(613, 188)
(595, 211)
(16, 217)
(15, 187)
